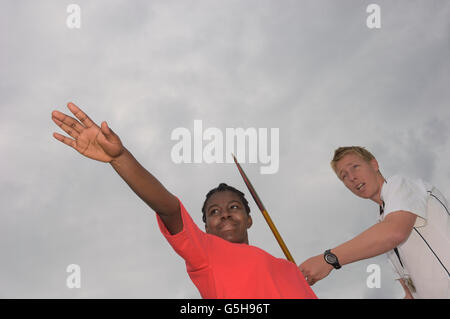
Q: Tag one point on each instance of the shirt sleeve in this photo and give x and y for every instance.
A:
(191, 243)
(408, 195)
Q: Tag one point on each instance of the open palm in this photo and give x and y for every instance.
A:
(97, 142)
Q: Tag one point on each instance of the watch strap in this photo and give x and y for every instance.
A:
(335, 264)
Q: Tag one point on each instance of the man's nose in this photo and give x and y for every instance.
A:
(352, 177)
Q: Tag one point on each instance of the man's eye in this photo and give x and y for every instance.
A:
(212, 212)
(234, 206)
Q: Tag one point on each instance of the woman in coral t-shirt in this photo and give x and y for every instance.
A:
(220, 262)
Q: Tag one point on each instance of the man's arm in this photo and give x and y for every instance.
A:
(376, 240)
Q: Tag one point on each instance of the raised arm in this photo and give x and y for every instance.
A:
(102, 144)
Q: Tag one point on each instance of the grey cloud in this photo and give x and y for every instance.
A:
(310, 68)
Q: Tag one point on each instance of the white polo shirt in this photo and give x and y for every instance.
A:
(425, 255)
(401, 193)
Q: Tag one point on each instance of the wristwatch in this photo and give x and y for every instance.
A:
(331, 259)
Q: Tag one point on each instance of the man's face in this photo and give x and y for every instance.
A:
(227, 218)
(359, 176)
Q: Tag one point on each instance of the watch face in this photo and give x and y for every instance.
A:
(331, 259)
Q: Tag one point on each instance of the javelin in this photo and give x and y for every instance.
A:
(264, 212)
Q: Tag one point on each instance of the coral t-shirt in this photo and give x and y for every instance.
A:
(221, 269)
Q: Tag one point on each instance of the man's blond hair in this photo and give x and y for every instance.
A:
(344, 150)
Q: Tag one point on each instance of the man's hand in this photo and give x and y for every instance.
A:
(98, 143)
(315, 269)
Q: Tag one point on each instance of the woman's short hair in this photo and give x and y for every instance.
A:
(221, 188)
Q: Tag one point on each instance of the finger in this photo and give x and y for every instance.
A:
(80, 115)
(109, 133)
(64, 139)
(309, 280)
(106, 130)
(304, 271)
(67, 120)
(66, 128)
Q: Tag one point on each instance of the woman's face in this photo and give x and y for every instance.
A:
(227, 218)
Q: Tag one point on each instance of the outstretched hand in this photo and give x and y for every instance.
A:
(98, 143)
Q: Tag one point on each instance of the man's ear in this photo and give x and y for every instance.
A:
(374, 164)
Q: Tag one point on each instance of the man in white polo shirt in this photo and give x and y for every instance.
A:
(413, 228)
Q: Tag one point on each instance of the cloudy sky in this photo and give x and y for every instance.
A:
(313, 69)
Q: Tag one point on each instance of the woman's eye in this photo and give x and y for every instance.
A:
(214, 211)
(234, 206)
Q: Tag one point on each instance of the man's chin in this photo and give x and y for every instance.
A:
(361, 195)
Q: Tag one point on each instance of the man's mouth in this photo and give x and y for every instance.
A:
(359, 186)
